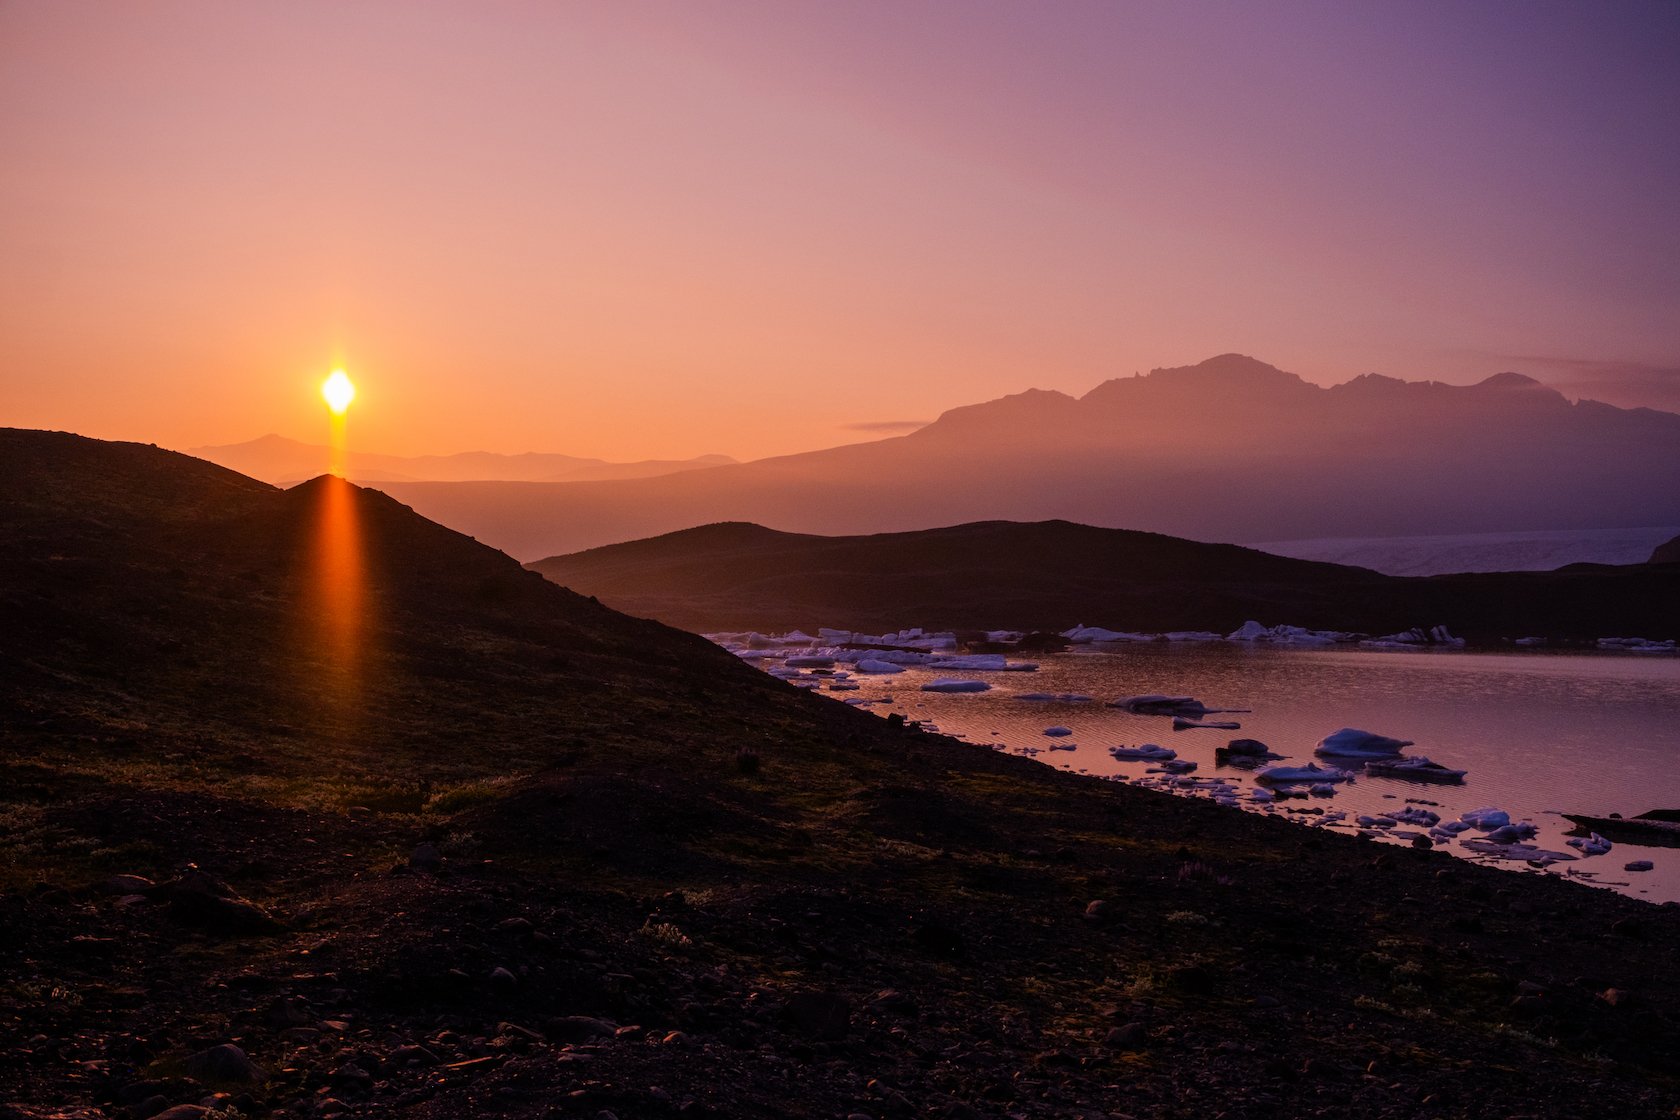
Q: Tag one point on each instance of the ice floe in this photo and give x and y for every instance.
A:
(982, 662)
(952, 684)
(1350, 742)
(1084, 635)
(876, 665)
(1415, 638)
(1637, 645)
(1591, 845)
(1416, 768)
(1252, 631)
(1148, 751)
(1289, 775)
(1058, 731)
(1181, 724)
(1486, 819)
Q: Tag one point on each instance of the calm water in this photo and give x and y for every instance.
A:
(1538, 733)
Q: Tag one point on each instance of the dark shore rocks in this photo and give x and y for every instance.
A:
(225, 1063)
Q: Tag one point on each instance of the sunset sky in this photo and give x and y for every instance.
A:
(638, 230)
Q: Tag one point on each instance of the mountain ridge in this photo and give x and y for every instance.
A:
(278, 459)
(1229, 449)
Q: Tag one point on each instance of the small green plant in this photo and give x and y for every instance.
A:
(454, 798)
(665, 933)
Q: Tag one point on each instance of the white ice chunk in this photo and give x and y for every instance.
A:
(1486, 819)
(1282, 775)
(952, 684)
(1350, 742)
(1148, 751)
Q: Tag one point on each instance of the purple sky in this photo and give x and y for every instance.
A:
(637, 230)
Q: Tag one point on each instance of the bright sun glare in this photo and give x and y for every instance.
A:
(338, 391)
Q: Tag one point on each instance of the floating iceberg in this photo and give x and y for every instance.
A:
(1160, 704)
(952, 684)
(1486, 819)
(1058, 731)
(1246, 748)
(1193, 636)
(1252, 631)
(1182, 724)
(1637, 645)
(982, 662)
(1415, 637)
(1411, 814)
(1537, 856)
(1148, 751)
(1284, 775)
(810, 662)
(874, 665)
(1591, 845)
(1350, 742)
(1081, 635)
(1417, 769)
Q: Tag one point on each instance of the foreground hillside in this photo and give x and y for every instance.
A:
(1228, 449)
(495, 850)
(1053, 575)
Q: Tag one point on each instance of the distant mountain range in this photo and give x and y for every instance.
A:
(1054, 575)
(283, 462)
(1230, 449)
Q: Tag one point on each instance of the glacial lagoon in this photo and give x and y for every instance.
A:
(1539, 733)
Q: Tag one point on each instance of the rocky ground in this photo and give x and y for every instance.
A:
(536, 859)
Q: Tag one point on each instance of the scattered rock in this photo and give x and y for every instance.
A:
(201, 900)
(127, 884)
(226, 1062)
(425, 857)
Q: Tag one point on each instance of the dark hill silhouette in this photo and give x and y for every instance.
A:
(513, 861)
(1667, 553)
(1053, 575)
(1230, 449)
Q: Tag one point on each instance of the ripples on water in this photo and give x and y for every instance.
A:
(1539, 733)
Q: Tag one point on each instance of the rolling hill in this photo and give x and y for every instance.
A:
(464, 843)
(1230, 449)
(1054, 575)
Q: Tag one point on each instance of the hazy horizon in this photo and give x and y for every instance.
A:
(659, 231)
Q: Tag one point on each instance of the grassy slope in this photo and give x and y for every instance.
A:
(1052, 575)
(577, 771)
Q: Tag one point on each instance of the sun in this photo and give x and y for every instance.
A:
(338, 391)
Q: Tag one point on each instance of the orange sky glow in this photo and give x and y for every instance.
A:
(657, 230)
